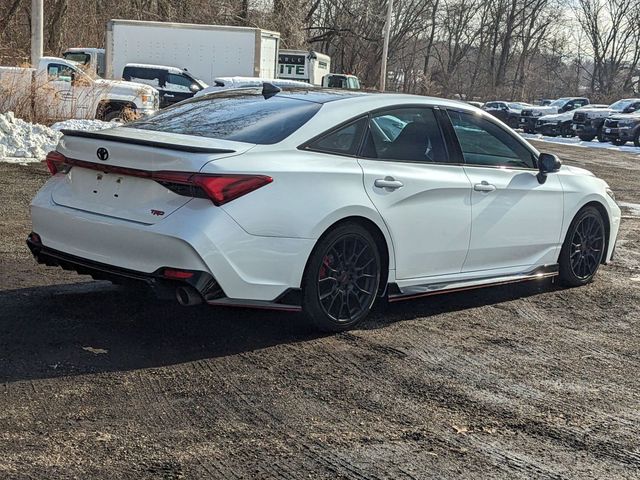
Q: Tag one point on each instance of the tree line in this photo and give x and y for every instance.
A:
(471, 49)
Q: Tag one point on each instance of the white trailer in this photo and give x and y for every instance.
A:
(207, 51)
(304, 66)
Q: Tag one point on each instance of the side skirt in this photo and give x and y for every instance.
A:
(417, 291)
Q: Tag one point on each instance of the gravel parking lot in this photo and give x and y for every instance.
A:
(525, 381)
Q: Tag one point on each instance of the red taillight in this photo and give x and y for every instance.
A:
(222, 189)
(55, 161)
(173, 274)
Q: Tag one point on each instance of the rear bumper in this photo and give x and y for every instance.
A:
(203, 282)
(197, 237)
(164, 288)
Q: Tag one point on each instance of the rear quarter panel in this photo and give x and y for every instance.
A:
(309, 193)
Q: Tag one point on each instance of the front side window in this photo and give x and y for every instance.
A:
(242, 116)
(485, 143)
(178, 83)
(344, 140)
(408, 134)
(60, 72)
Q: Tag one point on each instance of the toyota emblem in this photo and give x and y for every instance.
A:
(103, 154)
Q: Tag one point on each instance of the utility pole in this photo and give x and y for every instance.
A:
(37, 25)
(385, 47)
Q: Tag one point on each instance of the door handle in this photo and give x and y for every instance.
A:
(484, 186)
(389, 183)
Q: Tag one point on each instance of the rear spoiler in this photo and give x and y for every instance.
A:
(140, 141)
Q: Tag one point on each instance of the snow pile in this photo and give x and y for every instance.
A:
(22, 142)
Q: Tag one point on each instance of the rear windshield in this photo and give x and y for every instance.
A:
(238, 116)
(82, 58)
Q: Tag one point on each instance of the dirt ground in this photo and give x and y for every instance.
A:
(525, 381)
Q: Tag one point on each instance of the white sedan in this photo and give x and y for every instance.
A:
(318, 200)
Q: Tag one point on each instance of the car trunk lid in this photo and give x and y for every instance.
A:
(112, 171)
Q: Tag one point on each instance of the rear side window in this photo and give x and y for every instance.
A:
(407, 134)
(345, 140)
(148, 76)
(238, 116)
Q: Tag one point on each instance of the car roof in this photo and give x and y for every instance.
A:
(169, 68)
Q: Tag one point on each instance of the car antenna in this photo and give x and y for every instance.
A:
(269, 90)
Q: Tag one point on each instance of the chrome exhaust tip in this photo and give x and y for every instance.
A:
(188, 296)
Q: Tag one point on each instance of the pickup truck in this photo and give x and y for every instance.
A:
(529, 116)
(560, 124)
(622, 128)
(508, 112)
(60, 89)
(588, 123)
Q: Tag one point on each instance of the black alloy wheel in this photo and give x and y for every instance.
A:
(342, 278)
(584, 248)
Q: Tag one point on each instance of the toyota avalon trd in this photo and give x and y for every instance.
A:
(318, 200)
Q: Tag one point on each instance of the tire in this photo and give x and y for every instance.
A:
(601, 137)
(617, 142)
(345, 267)
(586, 138)
(527, 130)
(636, 139)
(566, 131)
(583, 249)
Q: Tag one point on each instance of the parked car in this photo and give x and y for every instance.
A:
(228, 83)
(561, 124)
(174, 84)
(588, 123)
(475, 104)
(508, 112)
(320, 201)
(622, 128)
(528, 117)
(60, 89)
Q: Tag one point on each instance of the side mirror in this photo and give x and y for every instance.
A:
(194, 88)
(547, 163)
(630, 109)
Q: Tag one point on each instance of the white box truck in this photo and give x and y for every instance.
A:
(304, 66)
(207, 51)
